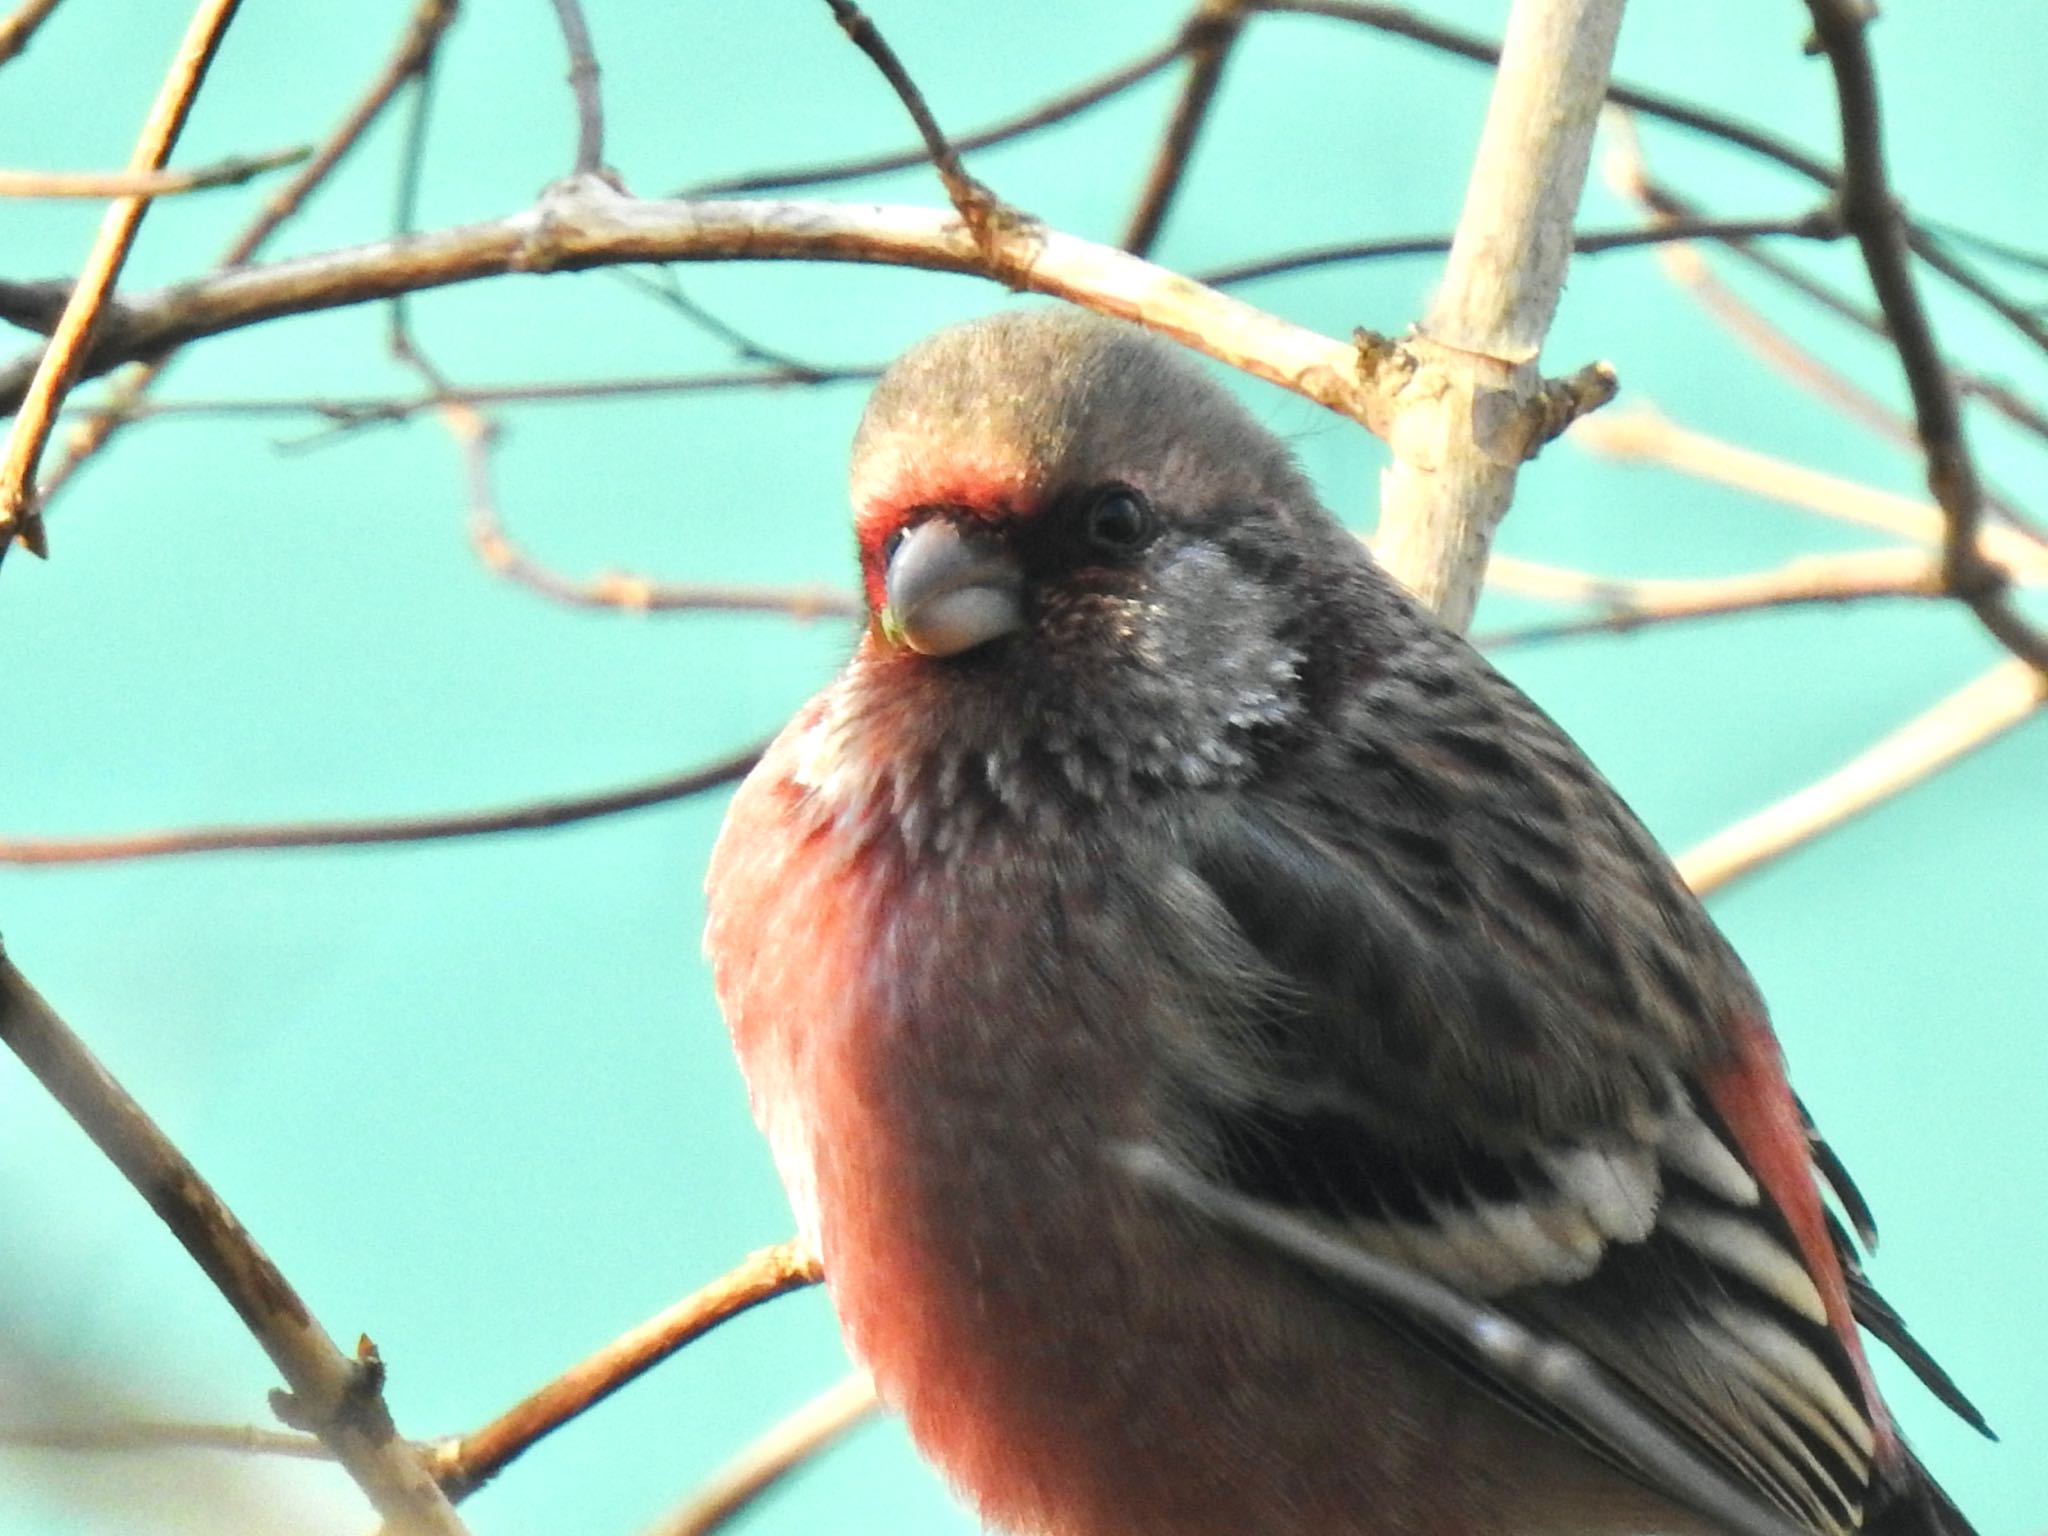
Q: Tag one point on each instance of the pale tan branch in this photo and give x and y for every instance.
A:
(466, 1464)
(338, 1398)
(1462, 420)
(222, 173)
(1978, 713)
(814, 1428)
(17, 28)
(1642, 433)
(86, 1437)
(61, 361)
(528, 816)
(1622, 605)
(582, 225)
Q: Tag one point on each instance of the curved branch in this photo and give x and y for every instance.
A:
(1978, 713)
(335, 1397)
(527, 817)
(582, 224)
(815, 1427)
(467, 1464)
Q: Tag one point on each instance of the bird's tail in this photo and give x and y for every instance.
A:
(1912, 1504)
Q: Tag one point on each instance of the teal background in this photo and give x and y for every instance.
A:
(474, 1096)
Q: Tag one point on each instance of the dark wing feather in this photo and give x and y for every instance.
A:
(1521, 961)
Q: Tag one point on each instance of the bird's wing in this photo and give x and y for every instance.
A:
(1538, 1075)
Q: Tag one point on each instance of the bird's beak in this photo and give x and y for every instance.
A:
(949, 590)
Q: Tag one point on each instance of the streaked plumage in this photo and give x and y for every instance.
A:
(1149, 811)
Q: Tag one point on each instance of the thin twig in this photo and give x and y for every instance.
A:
(975, 203)
(20, 27)
(1622, 606)
(1641, 433)
(348, 413)
(1872, 215)
(331, 1395)
(1978, 713)
(1472, 413)
(1048, 114)
(1401, 22)
(1553, 1372)
(584, 84)
(664, 289)
(614, 589)
(1212, 33)
(1592, 242)
(222, 173)
(1629, 176)
(424, 29)
(467, 1464)
(62, 358)
(528, 816)
(799, 1439)
(114, 1435)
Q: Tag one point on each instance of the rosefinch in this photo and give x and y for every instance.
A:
(1149, 812)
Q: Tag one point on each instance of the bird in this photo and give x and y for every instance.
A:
(1150, 813)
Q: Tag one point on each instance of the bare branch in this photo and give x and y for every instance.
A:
(422, 36)
(1211, 34)
(222, 173)
(1628, 605)
(467, 1464)
(1462, 425)
(1059, 109)
(350, 413)
(583, 83)
(1957, 726)
(1872, 215)
(17, 29)
(975, 203)
(337, 1398)
(60, 362)
(1810, 226)
(114, 1435)
(618, 589)
(528, 816)
(583, 225)
(1641, 433)
(737, 1486)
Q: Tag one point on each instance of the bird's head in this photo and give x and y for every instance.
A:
(1067, 514)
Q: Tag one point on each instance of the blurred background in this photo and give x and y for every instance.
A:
(474, 1097)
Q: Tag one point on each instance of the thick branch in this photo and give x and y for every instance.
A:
(583, 225)
(335, 1397)
(1461, 429)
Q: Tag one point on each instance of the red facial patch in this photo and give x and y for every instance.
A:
(886, 503)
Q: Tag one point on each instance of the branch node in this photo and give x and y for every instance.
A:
(1563, 401)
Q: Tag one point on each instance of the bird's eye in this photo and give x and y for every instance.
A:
(1118, 522)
